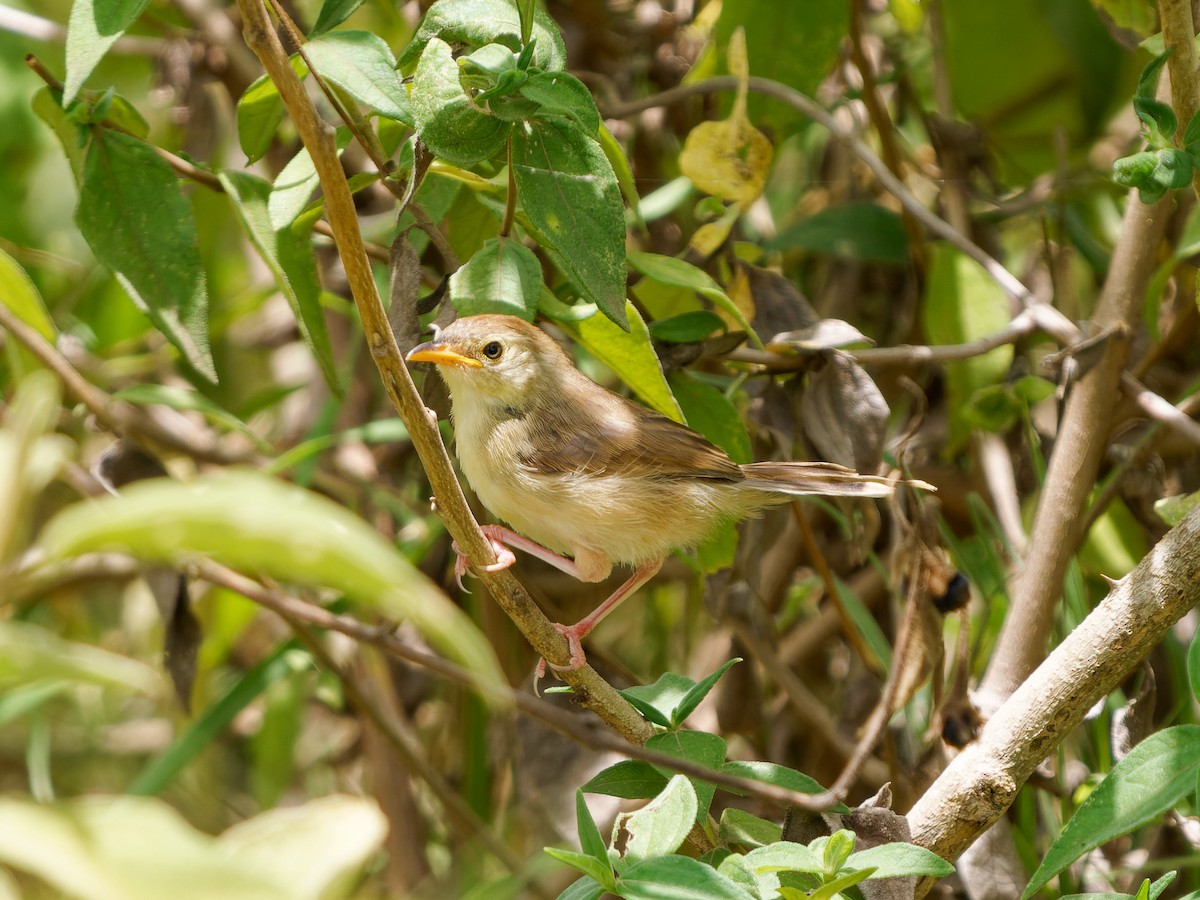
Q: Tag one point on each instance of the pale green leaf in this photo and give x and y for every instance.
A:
(630, 355)
(660, 826)
(93, 27)
(314, 850)
(261, 526)
(361, 64)
(29, 653)
(502, 277)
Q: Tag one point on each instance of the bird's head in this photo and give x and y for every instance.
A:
(494, 359)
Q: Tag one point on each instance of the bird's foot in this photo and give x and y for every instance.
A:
(495, 538)
(574, 635)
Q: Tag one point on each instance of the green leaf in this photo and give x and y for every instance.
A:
(838, 847)
(660, 826)
(293, 189)
(746, 829)
(142, 228)
(139, 848)
(783, 856)
(30, 653)
(287, 251)
(1158, 117)
(475, 23)
(687, 327)
(677, 878)
(93, 27)
(689, 702)
(502, 277)
(899, 860)
(854, 231)
(315, 849)
(591, 842)
(711, 413)
(1173, 509)
(795, 43)
(1153, 778)
(630, 779)
(630, 355)
(676, 273)
(444, 116)
(780, 776)
(46, 104)
(31, 456)
(1147, 85)
(569, 192)
(259, 525)
(361, 64)
(663, 696)
(1173, 169)
(700, 747)
(833, 889)
(332, 14)
(584, 889)
(19, 294)
(588, 865)
(201, 732)
(260, 110)
(561, 94)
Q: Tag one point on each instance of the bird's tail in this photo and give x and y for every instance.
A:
(819, 478)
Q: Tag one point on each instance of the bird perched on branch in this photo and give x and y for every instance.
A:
(576, 469)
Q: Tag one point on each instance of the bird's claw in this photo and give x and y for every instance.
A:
(462, 563)
(574, 646)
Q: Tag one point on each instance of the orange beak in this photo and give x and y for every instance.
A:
(443, 355)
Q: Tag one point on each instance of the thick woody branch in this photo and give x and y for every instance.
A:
(317, 136)
(981, 782)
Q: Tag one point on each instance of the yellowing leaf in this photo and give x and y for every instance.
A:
(729, 159)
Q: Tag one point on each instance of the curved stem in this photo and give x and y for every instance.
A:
(592, 690)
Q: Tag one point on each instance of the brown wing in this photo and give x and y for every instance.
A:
(618, 436)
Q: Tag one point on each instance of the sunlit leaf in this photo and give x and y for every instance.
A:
(361, 64)
(629, 354)
(93, 27)
(264, 527)
(1151, 779)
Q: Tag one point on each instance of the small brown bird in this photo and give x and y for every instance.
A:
(578, 469)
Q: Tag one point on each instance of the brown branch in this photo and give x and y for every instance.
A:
(1078, 450)
(583, 731)
(981, 783)
(317, 136)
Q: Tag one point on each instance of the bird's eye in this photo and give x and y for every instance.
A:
(493, 349)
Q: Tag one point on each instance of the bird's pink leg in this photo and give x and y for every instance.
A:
(501, 539)
(581, 629)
